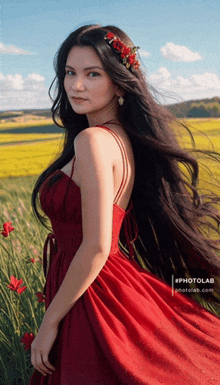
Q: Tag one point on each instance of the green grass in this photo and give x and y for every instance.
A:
(19, 313)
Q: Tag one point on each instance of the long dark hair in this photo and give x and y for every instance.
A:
(168, 209)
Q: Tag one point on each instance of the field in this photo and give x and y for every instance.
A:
(23, 157)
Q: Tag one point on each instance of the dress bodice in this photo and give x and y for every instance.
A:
(62, 204)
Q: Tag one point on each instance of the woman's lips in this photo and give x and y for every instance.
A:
(78, 100)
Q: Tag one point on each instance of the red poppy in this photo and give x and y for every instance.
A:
(27, 340)
(36, 260)
(110, 35)
(40, 296)
(16, 285)
(7, 228)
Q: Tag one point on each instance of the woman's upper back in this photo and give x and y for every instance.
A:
(122, 164)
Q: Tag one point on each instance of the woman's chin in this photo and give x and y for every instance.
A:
(80, 111)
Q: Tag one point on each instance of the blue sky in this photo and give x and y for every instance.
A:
(179, 40)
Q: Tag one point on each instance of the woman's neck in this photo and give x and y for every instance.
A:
(106, 115)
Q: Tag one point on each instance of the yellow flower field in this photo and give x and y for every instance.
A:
(10, 139)
(24, 123)
(30, 158)
(30, 154)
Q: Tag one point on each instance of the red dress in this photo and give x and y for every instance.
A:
(127, 328)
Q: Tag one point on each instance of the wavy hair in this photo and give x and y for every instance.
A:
(170, 212)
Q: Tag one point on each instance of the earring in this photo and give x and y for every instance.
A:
(121, 101)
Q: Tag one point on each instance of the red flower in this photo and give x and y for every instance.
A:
(129, 58)
(118, 45)
(136, 64)
(132, 59)
(110, 35)
(125, 51)
(7, 228)
(40, 296)
(36, 260)
(16, 285)
(27, 340)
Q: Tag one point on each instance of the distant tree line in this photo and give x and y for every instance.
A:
(211, 106)
(180, 110)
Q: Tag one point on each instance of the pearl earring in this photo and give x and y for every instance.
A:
(121, 101)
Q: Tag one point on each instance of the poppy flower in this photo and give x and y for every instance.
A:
(40, 296)
(7, 229)
(27, 340)
(16, 285)
(36, 260)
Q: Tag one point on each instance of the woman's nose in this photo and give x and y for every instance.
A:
(78, 85)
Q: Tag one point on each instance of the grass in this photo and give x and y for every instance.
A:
(19, 313)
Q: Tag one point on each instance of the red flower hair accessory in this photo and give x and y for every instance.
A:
(127, 54)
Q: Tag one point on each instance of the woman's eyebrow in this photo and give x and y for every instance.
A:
(86, 68)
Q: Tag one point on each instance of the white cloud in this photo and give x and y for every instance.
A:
(144, 53)
(35, 77)
(161, 75)
(12, 50)
(15, 82)
(206, 80)
(175, 52)
(197, 86)
(18, 92)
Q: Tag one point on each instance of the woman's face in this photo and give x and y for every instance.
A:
(89, 88)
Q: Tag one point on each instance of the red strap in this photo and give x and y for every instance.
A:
(130, 237)
(124, 177)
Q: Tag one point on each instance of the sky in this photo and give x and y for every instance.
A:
(179, 40)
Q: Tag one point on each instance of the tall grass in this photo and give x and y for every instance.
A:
(21, 257)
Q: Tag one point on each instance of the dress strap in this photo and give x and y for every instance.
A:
(130, 229)
(125, 163)
(74, 158)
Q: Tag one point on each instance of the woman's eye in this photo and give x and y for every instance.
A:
(93, 74)
(69, 72)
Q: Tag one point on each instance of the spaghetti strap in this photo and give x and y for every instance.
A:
(125, 163)
(74, 158)
(130, 235)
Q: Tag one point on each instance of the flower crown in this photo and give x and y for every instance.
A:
(127, 54)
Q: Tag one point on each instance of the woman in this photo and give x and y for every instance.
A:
(111, 316)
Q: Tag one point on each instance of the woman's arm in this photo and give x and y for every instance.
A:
(95, 170)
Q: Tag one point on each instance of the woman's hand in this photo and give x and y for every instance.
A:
(40, 347)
